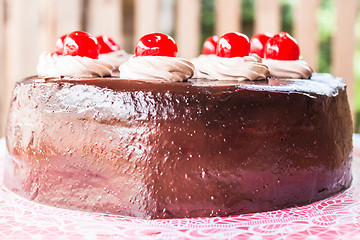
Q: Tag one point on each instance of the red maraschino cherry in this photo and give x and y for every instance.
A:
(156, 44)
(209, 46)
(233, 44)
(59, 45)
(257, 43)
(107, 44)
(81, 44)
(282, 46)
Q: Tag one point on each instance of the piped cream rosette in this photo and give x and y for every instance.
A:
(235, 68)
(298, 69)
(169, 69)
(53, 65)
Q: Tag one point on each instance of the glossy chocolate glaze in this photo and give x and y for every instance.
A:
(173, 150)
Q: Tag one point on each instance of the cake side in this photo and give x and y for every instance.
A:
(176, 149)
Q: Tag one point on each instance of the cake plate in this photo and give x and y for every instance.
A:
(337, 217)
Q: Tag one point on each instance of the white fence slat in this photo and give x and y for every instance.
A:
(167, 13)
(69, 16)
(58, 17)
(146, 17)
(3, 100)
(21, 44)
(47, 25)
(268, 16)
(104, 17)
(21, 40)
(22, 48)
(306, 30)
(227, 17)
(2, 2)
(344, 45)
(188, 28)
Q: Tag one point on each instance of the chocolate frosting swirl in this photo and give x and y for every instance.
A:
(288, 69)
(169, 69)
(236, 68)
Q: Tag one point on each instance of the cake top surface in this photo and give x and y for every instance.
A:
(319, 83)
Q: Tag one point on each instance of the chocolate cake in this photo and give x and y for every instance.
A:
(199, 148)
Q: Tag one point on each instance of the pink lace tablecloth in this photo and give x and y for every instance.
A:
(335, 217)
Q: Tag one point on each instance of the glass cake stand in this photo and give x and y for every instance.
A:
(332, 218)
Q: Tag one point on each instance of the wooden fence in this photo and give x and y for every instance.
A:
(29, 27)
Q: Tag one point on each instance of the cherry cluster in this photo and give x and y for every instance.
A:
(82, 44)
(280, 46)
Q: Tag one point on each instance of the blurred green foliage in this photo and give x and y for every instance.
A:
(287, 7)
(207, 19)
(326, 28)
(247, 17)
